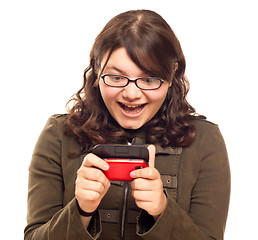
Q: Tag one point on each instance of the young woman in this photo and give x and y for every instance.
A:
(134, 92)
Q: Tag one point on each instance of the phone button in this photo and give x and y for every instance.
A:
(138, 167)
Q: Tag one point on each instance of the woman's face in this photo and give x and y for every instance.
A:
(130, 106)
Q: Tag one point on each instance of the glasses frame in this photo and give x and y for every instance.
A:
(132, 80)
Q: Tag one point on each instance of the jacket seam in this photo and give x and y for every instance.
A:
(178, 176)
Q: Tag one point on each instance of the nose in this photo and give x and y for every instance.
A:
(132, 92)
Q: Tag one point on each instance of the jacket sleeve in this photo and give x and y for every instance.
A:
(206, 218)
(47, 218)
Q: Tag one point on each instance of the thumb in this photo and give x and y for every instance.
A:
(152, 151)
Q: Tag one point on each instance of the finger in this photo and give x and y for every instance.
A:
(146, 196)
(143, 184)
(154, 208)
(151, 208)
(143, 204)
(147, 173)
(86, 190)
(87, 195)
(92, 193)
(93, 174)
(86, 184)
(140, 183)
(91, 160)
(152, 151)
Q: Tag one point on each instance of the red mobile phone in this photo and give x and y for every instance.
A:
(122, 159)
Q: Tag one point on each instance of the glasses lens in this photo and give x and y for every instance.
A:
(115, 80)
(149, 83)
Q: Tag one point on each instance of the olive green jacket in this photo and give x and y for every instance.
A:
(196, 180)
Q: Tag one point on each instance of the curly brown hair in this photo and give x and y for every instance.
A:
(154, 48)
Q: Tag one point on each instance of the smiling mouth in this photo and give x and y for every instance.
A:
(132, 108)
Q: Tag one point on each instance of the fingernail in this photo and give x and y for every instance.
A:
(106, 166)
(132, 174)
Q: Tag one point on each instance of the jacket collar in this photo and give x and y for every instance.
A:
(139, 139)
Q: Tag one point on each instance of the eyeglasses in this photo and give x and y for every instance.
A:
(145, 83)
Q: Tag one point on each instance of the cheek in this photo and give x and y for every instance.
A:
(107, 93)
(157, 97)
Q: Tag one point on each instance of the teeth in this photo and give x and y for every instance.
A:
(132, 106)
(138, 110)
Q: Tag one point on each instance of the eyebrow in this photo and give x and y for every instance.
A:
(116, 69)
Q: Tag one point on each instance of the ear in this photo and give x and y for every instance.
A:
(176, 66)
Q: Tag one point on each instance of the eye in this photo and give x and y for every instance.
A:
(116, 78)
(150, 80)
(149, 83)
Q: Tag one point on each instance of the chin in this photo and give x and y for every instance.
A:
(131, 126)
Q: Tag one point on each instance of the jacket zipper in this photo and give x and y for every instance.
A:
(126, 187)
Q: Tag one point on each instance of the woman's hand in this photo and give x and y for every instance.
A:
(91, 183)
(147, 188)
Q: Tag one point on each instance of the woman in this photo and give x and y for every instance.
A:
(134, 92)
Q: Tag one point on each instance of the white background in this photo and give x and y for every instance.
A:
(44, 48)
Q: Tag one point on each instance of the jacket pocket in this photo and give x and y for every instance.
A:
(168, 162)
(109, 215)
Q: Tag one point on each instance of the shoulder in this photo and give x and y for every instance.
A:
(54, 124)
(205, 128)
(56, 121)
(208, 137)
(50, 138)
(59, 118)
(54, 128)
(203, 124)
(53, 134)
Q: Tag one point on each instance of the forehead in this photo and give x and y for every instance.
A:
(120, 62)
